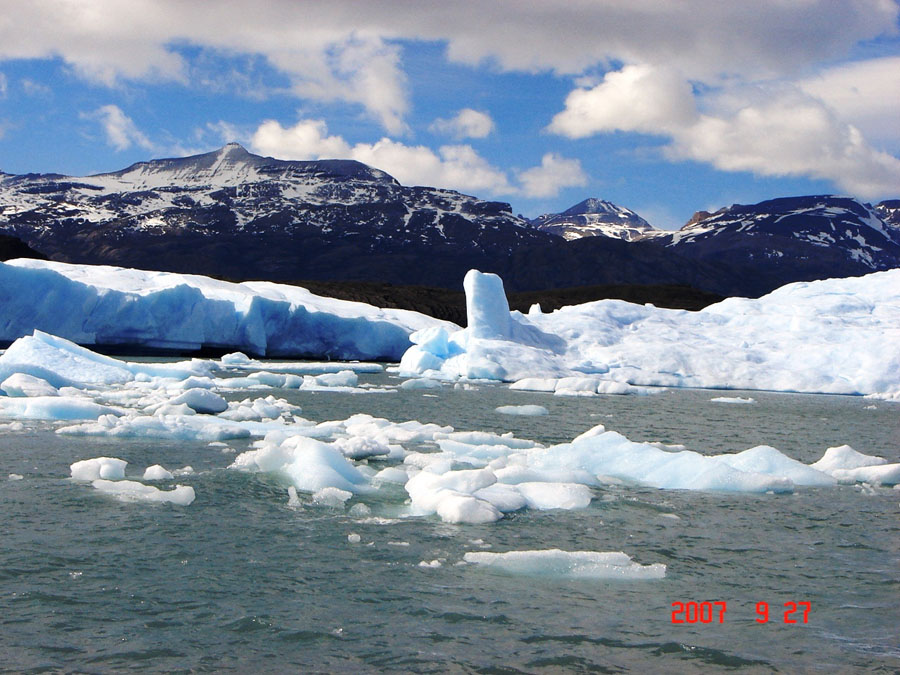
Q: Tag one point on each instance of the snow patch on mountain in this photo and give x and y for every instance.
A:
(594, 217)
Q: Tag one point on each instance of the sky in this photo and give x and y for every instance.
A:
(662, 106)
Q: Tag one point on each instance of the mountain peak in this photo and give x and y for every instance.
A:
(592, 205)
(594, 217)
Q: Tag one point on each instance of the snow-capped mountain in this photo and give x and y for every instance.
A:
(593, 218)
(791, 239)
(889, 212)
(233, 213)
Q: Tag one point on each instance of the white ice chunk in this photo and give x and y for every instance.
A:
(545, 384)
(555, 495)
(506, 498)
(202, 401)
(360, 447)
(526, 410)
(129, 490)
(881, 474)
(767, 460)
(611, 454)
(343, 378)
(157, 472)
(234, 358)
(54, 408)
(110, 468)
(462, 508)
(178, 427)
(309, 464)
(331, 496)
(845, 457)
(487, 310)
(421, 383)
(22, 384)
(571, 564)
(732, 399)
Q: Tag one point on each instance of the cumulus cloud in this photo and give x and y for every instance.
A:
(636, 98)
(865, 94)
(789, 135)
(452, 166)
(467, 123)
(457, 167)
(767, 130)
(554, 174)
(341, 50)
(121, 131)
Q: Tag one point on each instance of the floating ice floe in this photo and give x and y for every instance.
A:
(522, 410)
(568, 564)
(846, 465)
(107, 474)
(97, 304)
(836, 336)
(110, 468)
(129, 490)
(736, 400)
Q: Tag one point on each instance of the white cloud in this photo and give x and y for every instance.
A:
(865, 94)
(121, 131)
(457, 167)
(2, 85)
(467, 123)
(349, 51)
(452, 166)
(790, 135)
(636, 98)
(308, 139)
(554, 174)
(773, 130)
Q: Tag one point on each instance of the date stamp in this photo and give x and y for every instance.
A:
(714, 612)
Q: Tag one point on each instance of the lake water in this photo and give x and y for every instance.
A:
(240, 581)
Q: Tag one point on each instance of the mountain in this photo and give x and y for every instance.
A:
(592, 218)
(237, 215)
(889, 212)
(234, 214)
(790, 239)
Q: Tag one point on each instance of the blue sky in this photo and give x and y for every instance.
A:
(663, 107)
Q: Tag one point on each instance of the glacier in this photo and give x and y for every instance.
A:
(115, 306)
(836, 336)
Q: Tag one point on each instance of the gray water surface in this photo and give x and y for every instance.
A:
(241, 582)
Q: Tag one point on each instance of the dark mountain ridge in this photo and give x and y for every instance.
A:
(233, 214)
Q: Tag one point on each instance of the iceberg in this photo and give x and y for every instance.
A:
(836, 336)
(103, 305)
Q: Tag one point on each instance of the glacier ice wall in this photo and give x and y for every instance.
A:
(102, 305)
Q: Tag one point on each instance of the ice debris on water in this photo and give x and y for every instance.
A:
(534, 410)
(568, 564)
(471, 476)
